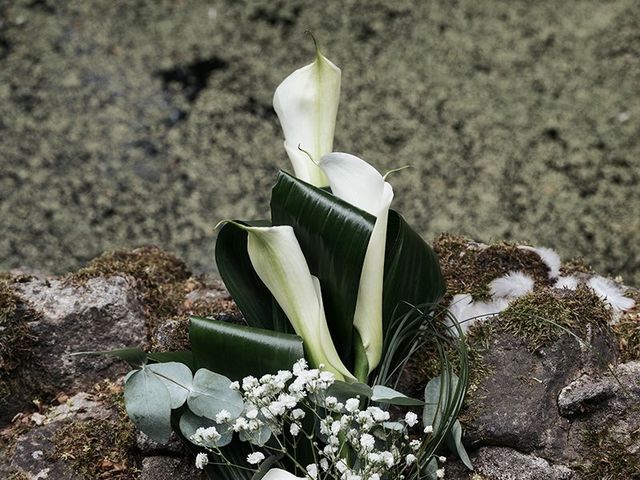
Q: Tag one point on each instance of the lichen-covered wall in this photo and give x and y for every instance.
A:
(125, 123)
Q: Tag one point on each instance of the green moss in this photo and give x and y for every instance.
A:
(15, 338)
(627, 331)
(18, 476)
(609, 458)
(159, 276)
(163, 282)
(542, 317)
(100, 448)
(469, 267)
(576, 265)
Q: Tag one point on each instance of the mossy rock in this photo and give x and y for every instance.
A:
(16, 339)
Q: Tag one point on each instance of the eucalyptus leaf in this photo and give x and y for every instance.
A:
(258, 438)
(382, 394)
(211, 393)
(454, 441)
(178, 379)
(343, 390)
(395, 426)
(237, 350)
(190, 422)
(437, 395)
(148, 404)
(430, 468)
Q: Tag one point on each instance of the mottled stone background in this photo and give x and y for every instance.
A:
(128, 123)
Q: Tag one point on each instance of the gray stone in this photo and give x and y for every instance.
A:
(507, 464)
(516, 403)
(168, 468)
(612, 391)
(102, 314)
(33, 450)
(149, 447)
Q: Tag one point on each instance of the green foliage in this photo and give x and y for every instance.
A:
(148, 404)
(389, 396)
(333, 236)
(211, 393)
(218, 345)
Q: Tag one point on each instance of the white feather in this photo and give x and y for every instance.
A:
(611, 293)
(549, 257)
(467, 312)
(512, 285)
(570, 282)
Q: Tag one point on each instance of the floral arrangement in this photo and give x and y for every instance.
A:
(337, 292)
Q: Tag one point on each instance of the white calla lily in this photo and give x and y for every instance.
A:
(306, 103)
(278, 260)
(355, 181)
(279, 474)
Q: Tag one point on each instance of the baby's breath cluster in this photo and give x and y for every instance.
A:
(351, 440)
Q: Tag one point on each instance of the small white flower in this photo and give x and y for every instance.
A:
(378, 414)
(367, 441)
(411, 419)
(415, 444)
(388, 458)
(235, 385)
(255, 458)
(223, 416)
(299, 367)
(240, 424)
(251, 414)
(330, 402)
(440, 473)
(442, 459)
(352, 405)
(297, 414)
(410, 459)
(201, 460)
(428, 429)
(324, 464)
(312, 470)
(294, 429)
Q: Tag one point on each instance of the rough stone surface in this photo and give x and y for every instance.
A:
(507, 464)
(32, 453)
(102, 314)
(515, 405)
(168, 468)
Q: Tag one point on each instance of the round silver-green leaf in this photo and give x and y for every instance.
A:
(177, 378)
(148, 404)
(211, 393)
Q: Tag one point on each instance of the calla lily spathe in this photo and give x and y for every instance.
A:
(355, 181)
(279, 474)
(279, 262)
(306, 103)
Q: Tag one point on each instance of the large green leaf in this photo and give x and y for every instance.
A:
(251, 295)
(237, 350)
(334, 236)
(411, 272)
